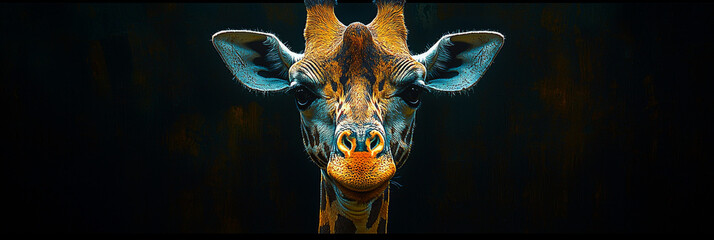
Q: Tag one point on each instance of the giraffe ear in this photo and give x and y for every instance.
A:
(258, 60)
(457, 61)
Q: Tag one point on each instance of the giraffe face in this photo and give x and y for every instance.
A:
(357, 104)
(357, 87)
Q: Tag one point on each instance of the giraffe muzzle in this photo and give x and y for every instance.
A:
(364, 165)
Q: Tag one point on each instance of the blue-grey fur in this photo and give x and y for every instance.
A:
(483, 47)
(239, 58)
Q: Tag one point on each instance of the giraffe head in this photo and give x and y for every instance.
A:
(357, 87)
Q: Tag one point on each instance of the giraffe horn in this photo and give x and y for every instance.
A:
(389, 24)
(389, 11)
(322, 26)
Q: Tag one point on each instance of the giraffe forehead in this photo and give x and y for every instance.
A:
(358, 51)
(349, 69)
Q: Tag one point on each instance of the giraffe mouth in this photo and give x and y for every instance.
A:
(359, 196)
(361, 173)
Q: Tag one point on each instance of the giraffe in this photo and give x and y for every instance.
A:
(357, 89)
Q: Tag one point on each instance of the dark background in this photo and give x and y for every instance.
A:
(122, 118)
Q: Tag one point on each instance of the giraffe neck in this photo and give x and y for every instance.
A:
(339, 214)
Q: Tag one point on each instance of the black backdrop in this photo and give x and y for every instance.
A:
(122, 118)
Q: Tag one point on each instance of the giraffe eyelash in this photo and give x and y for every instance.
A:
(300, 80)
(406, 84)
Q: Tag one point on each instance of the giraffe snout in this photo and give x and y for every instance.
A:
(365, 164)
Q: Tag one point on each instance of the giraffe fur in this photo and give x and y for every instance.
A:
(357, 89)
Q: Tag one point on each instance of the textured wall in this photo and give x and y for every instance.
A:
(122, 118)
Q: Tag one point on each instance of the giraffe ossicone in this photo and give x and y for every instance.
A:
(357, 89)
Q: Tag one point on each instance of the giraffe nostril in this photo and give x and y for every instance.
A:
(375, 143)
(345, 143)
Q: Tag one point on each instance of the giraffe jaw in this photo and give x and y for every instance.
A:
(346, 194)
(360, 176)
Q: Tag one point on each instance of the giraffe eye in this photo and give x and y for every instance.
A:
(410, 95)
(303, 98)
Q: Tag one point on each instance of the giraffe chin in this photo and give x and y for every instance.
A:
(360, 176)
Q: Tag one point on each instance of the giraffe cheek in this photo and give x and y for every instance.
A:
(407, 111)
(308, 113)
